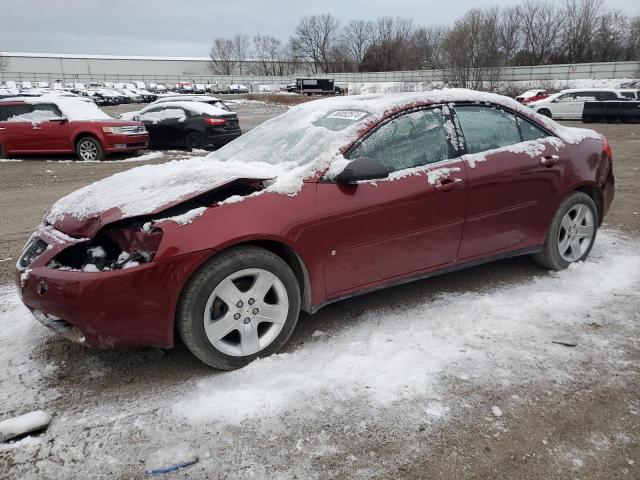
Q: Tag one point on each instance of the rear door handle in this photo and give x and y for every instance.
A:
(549, 160)
(2, 128)
(448, 184)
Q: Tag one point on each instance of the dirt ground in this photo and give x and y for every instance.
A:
(578, 418)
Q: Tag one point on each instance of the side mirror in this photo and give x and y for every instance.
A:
(362, 168)
(136, 118)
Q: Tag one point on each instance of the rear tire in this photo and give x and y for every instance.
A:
(546, 112)
(89, 149)
(241, 305)
(195, 140)
(572, 233)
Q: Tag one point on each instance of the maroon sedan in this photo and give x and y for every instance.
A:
(332, 199)
(59, 125)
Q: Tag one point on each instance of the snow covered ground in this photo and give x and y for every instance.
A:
(352, 394)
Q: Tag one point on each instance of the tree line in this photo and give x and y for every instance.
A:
(535, 32)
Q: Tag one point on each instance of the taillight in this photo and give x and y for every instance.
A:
(216, 122)
(606, 148)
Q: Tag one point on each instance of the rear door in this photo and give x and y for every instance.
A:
(16, 132)
(51, 131)
(382, 230)
(565, 106)
(513, 174)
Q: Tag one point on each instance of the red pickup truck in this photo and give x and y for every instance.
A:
(48, 124)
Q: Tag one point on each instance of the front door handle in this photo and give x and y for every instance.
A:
(549, 160)
(2, 128)
(448, 184)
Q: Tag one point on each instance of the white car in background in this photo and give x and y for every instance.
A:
(569, 104)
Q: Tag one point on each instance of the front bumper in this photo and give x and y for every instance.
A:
(119, 308)
(126, 143)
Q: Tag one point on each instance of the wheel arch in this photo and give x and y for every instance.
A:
(287, 254)
(84, 133)
(596, 195)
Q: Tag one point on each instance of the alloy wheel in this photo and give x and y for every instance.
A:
(245, 312)
(576, 233)
(87, 150)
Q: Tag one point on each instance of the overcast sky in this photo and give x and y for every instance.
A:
(187, 27)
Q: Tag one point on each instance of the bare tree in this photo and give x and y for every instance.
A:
(541, 25)
(425, 48)
(389, 49)
(222, 56)
(633, 41)
(510, 34)
(472, 49)
(270, 55)
(240, 50)
(357, 35)
(609, 40)
(314, 38)
(578, 28)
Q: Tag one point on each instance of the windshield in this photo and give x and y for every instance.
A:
(299, 136)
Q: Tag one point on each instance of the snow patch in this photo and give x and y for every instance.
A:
(493, 334)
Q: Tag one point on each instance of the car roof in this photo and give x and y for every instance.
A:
(595, 89)
(197, 107)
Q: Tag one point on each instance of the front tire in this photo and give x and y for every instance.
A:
(241, 305)
(89, 149)
(3, 152)
(572, 233)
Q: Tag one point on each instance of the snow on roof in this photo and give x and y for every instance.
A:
(75, 109)
(195, 107)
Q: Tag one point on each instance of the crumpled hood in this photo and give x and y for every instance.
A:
(147, 190)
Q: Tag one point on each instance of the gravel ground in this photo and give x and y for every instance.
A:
(482, 392)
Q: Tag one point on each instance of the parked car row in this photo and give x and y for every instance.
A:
(570, 104)
(59, 124)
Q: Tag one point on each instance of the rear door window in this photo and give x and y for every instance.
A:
(18, 113)
(602, 96)
(46, 111)
(410, 140)
(487, 128)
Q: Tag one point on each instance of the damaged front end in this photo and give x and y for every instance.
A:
(130, 242)
(115, 247)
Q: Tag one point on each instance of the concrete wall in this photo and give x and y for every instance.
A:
(48, 67)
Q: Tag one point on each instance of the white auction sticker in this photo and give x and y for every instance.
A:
(348, 114)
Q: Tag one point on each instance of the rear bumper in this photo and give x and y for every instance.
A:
(121, 308)
(220, 137)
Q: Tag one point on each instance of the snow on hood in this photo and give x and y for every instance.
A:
(152, 188)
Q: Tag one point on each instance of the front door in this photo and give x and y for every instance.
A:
(378, 231)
